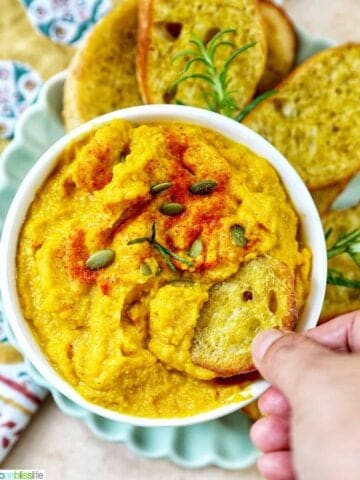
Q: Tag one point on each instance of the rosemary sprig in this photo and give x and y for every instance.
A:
(349, 244)
(250, 106)
(165, 252)
(218, 97)
(335, 277)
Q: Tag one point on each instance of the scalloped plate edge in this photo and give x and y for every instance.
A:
(308, 46)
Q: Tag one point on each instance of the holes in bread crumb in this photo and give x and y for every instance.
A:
(168, 97)
(272, 302)
(169, 31)
(210, 34)
(174, 29)
(247, 295)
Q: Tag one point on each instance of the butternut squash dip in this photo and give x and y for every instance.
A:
(120, 248)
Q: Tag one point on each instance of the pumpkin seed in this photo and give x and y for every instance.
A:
(100, 259)
(157, 269)
(145, 269)
(204, 187)
(171, 208)
(238, 235)
(160, 187)
(196, 248)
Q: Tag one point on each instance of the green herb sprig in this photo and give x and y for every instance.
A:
(165, 252)
(218, 97)
(349, 244)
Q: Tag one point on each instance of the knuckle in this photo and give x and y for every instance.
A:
(298, 360)
(284, 346)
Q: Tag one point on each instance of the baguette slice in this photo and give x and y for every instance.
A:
(252, 410)
(282, 43)
(102, 75)
(166, 28)
(314, 118)
(340, 300)
(325, 197)
(261, 295)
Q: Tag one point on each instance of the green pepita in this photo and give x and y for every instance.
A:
(145, 269)
(196, 248)
(160, 187)
(204, 187)
(237, 233)
(172, 208)
(100, 259)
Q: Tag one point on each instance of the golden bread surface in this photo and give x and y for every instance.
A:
(314, 118)
(282, 44)
(325, 197)
(102, 76)
(252, 410)
(121, 335)
(260, 295)
(338, 299)
(166, 28)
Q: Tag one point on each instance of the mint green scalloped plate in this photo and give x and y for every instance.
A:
(224, 442)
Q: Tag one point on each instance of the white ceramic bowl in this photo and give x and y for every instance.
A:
(311, 227)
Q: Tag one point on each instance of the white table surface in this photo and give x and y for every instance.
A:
(63, 446)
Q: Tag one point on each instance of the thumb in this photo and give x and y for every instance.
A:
(289, 361)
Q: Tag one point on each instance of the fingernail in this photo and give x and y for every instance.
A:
(263, 342)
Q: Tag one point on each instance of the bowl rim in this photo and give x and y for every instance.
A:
(297, 191)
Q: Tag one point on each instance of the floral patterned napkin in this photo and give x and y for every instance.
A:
(35, 38)
(20, 396)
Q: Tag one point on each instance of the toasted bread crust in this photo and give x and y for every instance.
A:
(101, 76)
(278, 24)
(252, 410)
(310, 61)
(326, 196)
(154, 72)
(142, 47)
(72, 111)
(238, 366)
(255, 115)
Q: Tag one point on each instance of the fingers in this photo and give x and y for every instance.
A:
(276, 466)
(270, 434)
(341, 333)
(273, 402)
(288, 360)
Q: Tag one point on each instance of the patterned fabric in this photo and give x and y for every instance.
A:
(19, 88)
(20, 396)
(65, 21)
